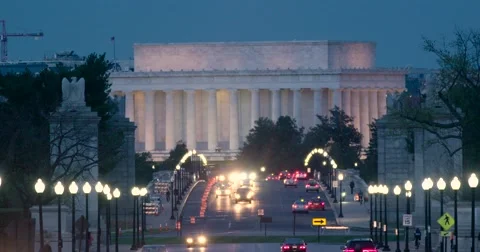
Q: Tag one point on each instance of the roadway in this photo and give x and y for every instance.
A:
(223, 217)
(262, 247)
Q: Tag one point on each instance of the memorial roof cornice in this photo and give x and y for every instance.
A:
(248, 43)
(261, 72)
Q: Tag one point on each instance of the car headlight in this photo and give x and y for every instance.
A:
(227, 192)
(250, 195)
(218, 191)
(237, 196)
(252, 176)
(189, 240)
(202, 239)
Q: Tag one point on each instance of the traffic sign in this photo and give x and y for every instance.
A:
(335, 184)
(192, 220)
(319, 221)
(260, 212)
(407, 220)
(445, 233)
(446, 221)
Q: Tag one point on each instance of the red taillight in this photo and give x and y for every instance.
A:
(316, 186)
(294, 206)
(349, 250)
(369, 250)
(285, 247)
(323, 203)
(303, 247)
(308, 185)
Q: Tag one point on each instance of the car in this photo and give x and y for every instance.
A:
(222, 190)
(316, 203)
(154, 248)
(301, 175)
(283, 175)
(244, 194)
(247, 182)
(197, 241)
(293, 245)
(360, 245)
(290, 182)
(270, 177)
(312, 185)
(300, 206)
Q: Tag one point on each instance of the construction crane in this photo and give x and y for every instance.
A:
(4, 39)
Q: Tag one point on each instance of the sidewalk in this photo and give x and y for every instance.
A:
(356, 216)
(163, 220)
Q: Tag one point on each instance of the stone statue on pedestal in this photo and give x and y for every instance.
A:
(73, 92)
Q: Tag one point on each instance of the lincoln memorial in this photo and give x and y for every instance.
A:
(210, 94)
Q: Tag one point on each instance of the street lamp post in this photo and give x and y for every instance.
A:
(59, 189)
(175, 191)
(99, 190)
(430, 186)
(441, 185)
(408, 187)
(73, 189)
(138, 227)
(425, 187)
(380, 212)
(370, 194)
(172, 217)
(116, 195)
(340, 178)
(473, 183)
(143, 193)
(86, 190)
(135, 192)
(39, 189)
(455, 184)
(397, 190)
(375, 223)
(106, 191)
(385, 225)
(108, 240)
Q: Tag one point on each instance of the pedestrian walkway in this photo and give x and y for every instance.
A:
(355, 215)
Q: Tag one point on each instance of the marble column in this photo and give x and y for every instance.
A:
(191, 136)
(337, 98)
(356, 108)
(364, 120)
(346, 105)
(129, 106)
(317, 104)
(212, 119)
(276, 109)
(297, 106)
(234, 139)
(255, 106)
(373, 101)
(169, 121)
(382, 102)
(150, 120)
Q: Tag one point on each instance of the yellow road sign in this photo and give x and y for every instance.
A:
(319, 221)
(445, 233)
(446, 221)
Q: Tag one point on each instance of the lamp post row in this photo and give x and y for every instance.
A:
(427, 185)
(73, 188)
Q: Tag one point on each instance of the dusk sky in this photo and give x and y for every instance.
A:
(397, 26)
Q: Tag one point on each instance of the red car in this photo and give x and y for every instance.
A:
(360, 244)
(301, 175)
(316, 204)
(293, 245)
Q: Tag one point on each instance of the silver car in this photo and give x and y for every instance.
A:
(290, 182)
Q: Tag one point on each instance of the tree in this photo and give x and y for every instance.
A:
(175, 156)
(143, 168)
(345, 148)
(273, 145)
(31, 148)
(369, 168)
(454, 91)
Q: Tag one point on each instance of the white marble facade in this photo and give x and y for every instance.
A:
(210, 94)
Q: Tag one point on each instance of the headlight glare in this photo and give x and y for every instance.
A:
(189, 240)
(202, 239)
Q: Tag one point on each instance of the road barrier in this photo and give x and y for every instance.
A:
(335, 228)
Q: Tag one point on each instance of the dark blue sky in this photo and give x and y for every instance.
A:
(397, 26)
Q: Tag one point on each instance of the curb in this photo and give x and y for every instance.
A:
(185, 199)
(330, 201)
